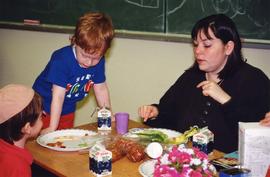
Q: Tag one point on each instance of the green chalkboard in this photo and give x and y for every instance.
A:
(252, 17)
(155, 16)
(126, 15)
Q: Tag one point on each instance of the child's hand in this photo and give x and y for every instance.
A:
(113, 118)
(46, 130)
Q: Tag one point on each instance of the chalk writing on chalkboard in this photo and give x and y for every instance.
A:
(144, 4)
(251, 16)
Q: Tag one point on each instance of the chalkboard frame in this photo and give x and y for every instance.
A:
(163, 20)
(155, 36)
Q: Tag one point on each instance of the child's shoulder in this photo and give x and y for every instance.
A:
(64, 50)
(64, 54)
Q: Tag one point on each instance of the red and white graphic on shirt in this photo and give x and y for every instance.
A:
(88, 86)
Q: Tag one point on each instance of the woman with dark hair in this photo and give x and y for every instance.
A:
(218, 91)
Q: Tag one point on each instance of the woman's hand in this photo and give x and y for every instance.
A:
(266, 120)
(212, 89)
(147, 112)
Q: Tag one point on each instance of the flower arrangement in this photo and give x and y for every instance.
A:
(184, 162)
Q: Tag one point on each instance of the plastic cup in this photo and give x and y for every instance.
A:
(121, 119)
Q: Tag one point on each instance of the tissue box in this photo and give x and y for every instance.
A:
(254, 148)
(100, 161)
(203, 140)
(104, 119)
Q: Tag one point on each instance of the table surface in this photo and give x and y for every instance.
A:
(77, 164)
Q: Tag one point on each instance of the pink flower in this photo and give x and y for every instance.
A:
(180, 157)
(184, 162)
(165, 171)
(195, 174)
(201, 155)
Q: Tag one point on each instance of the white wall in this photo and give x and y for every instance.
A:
(138, 71)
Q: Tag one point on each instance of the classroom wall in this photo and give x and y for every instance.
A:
(138, 71)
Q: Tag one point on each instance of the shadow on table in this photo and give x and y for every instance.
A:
(38, 171)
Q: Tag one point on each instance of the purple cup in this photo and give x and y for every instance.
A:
(121, 119)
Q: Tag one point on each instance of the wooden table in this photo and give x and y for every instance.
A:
(74, 164)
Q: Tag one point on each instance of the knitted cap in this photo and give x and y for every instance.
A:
(13, 99)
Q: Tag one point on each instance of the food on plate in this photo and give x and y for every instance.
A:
(185, 136)
(162, 136)
(69, 137)
(83, 144)
(66, 138)
(153, 135)
(58, 141)
(56, 144)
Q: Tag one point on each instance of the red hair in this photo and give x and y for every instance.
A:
(94, 33)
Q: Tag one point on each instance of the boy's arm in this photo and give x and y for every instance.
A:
(58, 96)
(102, 95)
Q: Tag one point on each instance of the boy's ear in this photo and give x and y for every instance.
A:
(26, 128)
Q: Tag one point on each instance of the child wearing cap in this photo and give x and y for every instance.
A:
(20, 119)
(73, 70)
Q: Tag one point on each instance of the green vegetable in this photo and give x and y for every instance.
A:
(153, 136)
(83, 145)
(185, 136)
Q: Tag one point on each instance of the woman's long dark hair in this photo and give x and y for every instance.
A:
(224, 29)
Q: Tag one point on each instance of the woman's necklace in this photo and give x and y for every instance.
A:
(219, 82)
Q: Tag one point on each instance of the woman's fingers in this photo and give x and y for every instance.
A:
(146, 112)
(266, 120)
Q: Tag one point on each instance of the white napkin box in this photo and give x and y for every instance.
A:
(254, 147)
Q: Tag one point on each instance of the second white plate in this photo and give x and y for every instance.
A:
(146, 169)
(67, 140)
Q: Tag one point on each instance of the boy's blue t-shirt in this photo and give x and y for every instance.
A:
(64, 70)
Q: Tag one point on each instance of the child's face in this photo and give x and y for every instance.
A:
(86, 60)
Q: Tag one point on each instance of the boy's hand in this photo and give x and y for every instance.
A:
(46, 130)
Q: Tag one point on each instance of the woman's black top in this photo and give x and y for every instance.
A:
(184, 105)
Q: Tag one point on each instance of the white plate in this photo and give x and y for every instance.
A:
(146, 169)
(171, 133)
(71, 139)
